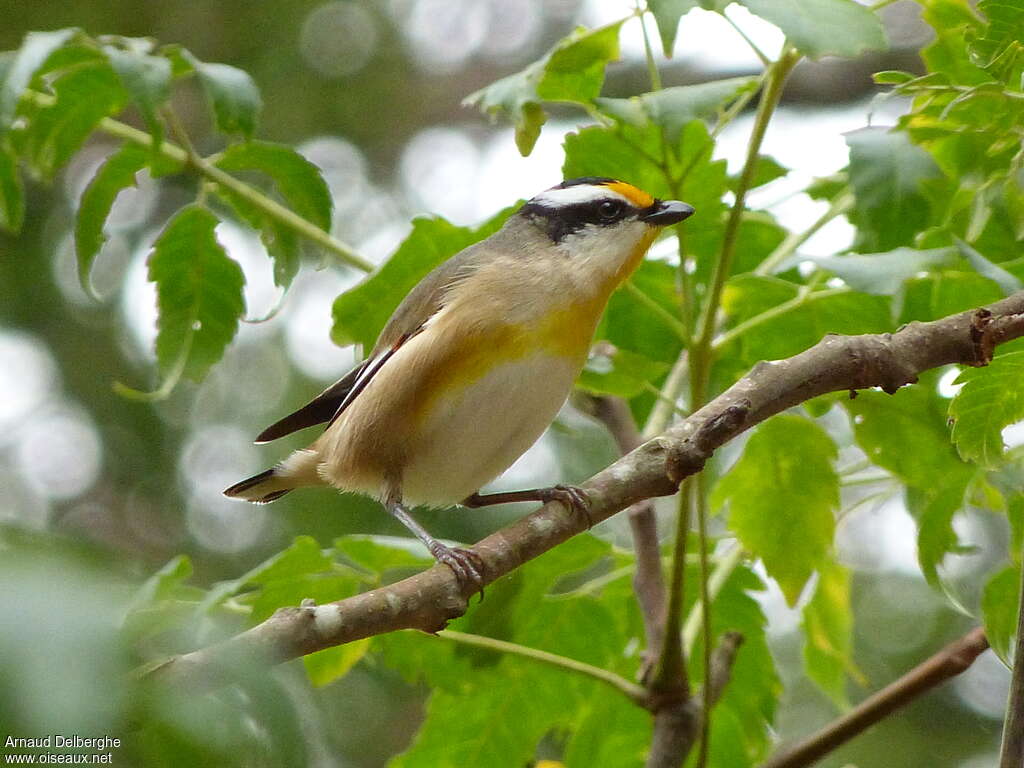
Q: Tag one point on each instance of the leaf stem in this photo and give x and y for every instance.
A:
(696, 619)
(705, 614)
(753, 46)
(1012, 750)
(663, 314)
(777, 74)
(842, 204)
(804, 297)
(652, 65)
(634, 692)
(344, 252)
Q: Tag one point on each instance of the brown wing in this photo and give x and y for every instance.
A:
(416, 308)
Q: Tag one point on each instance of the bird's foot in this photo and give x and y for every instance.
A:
(572, 498)
(466, 564)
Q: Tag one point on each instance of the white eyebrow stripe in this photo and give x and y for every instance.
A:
(580, 193)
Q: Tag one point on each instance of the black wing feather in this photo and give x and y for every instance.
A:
(330, 403)
(320, 409)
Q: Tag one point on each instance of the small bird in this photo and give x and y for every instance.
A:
(475, 363)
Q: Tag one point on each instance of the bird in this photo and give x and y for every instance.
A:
(475, 363)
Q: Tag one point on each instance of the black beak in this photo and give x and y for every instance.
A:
(665, 212)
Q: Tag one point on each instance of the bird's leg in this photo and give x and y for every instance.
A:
(572, 498)
(467, 565)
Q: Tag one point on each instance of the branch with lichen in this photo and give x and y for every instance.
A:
(427, 601)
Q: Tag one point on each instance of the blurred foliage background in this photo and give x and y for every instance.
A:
(99, 491)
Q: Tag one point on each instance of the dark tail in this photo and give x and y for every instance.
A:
(263, 488)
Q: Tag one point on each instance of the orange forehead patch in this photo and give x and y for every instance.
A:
(635, 195)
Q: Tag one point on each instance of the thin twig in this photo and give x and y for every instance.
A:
(842, 205)
(663, 314)
(949, 662)
(648, 581)
(345, 253)
(801, 299)
(634, 692)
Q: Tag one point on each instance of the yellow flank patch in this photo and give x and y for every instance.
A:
(567, 332)
(635, 195)
(460, 366)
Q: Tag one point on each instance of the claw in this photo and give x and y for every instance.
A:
(467, 565)
(573, 499)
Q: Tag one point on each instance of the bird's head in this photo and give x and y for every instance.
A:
(601, 222)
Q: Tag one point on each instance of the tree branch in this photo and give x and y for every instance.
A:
(428, 600)
(949, 662)
(648, 580)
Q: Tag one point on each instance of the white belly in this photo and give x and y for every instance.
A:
(473, 436)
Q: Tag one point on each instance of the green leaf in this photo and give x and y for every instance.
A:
(673, 108)
(828, 633)
(296, 178)
(823, 27)
(942, 294)
(382, 553)
(35, 50)
(1015, 517)
(199, 294)
(592, 742)
(620, 372)
(164, 583)
(84, 96)
(906, 433)
(991, 398)
(330, 664)
(233, 94)
(162, 601)
(743, 718)
(828, 187)
(493, 709)
(1005, 280)
(886, 171)
(626, 152)
(572, 71)
(997, 48)
(884, 274)
(12, 193)
(116, 173)
(767, 170)
(780, 336)
(667, 13)
(148, 81)
(300, 185)
(1000, 602)
(632, 326)
(302, 570)
(781, 495)
(361, 312)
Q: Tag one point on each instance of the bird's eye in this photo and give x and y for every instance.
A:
(609, 209)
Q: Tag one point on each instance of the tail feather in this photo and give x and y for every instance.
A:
(263, 488)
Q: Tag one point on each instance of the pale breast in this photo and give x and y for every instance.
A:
(474, 435)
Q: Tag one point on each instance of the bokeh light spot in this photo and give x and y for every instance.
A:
(27, 378)
(338, 38)
(59, 454)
